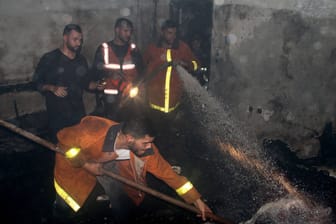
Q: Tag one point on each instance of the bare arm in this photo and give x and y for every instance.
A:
(95, 166)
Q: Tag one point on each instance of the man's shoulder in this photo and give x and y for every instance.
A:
(109, 43)
(152, 47)
(183, 45)
(101, 45)
(52, 54)
(92, 126)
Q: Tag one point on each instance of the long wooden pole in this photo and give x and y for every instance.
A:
(143, 188)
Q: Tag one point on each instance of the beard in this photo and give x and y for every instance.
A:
(124, 40)
(76, 50)
(135, 150)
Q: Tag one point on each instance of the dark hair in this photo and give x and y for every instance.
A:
(68, 28)
(123, 22)
(138, 127)
(168, 24)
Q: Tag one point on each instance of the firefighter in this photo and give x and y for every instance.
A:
(125, 148)
(164, 87)
(117, 64)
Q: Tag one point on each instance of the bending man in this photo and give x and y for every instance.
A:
(126, 149)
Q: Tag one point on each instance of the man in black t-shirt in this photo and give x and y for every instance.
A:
(117, 64)
(61, 75)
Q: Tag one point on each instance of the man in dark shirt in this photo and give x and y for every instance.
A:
(61, 75)
(117, 64)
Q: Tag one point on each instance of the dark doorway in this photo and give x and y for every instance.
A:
(195, 26)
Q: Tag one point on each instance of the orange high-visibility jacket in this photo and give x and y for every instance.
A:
(164, 89)
(75, 184)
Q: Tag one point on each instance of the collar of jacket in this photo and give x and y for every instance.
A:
(175, 45)
(111, 137)
(147, 153)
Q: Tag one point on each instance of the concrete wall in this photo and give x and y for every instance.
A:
(29, 28)
(274, 64)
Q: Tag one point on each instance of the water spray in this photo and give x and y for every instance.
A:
(229, 136)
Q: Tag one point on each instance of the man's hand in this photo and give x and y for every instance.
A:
(98, 85)
(94, 168)
(60, 91)
(203, 208)
(101, 86)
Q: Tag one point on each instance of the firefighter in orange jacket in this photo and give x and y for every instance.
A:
(125, 148)
(116, 65)
(164, 88)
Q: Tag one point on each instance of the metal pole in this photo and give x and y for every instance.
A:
(143, 188)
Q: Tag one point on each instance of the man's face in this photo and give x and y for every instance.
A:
(124, 33)
(140, 145)
(169, 35)
(73, 41)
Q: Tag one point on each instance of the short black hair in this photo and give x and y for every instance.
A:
(169, 24)
(68, 28)
(138, 127)
(123, 22)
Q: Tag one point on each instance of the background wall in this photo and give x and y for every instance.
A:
(274, 64)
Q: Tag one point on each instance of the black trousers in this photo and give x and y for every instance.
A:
(63, 213)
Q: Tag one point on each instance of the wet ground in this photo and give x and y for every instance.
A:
(27, 194)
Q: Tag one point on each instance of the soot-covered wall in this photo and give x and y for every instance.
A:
(274, 64)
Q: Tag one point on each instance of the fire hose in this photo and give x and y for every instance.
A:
(143, 188)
